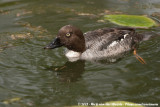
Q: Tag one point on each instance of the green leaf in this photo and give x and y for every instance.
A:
(12, 100)
(131, 20)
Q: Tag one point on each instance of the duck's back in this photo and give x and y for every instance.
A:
(110, 43)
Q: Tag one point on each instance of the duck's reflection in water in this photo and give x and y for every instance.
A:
(70, 71)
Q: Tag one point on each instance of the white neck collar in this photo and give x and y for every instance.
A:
(73, 56)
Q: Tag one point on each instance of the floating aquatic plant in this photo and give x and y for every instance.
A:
(12, 100)
(131, 20)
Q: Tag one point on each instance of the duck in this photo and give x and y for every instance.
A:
(100, 44)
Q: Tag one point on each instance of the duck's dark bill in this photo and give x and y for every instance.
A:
(55, 44)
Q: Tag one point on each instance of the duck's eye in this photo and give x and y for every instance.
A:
(68, 34)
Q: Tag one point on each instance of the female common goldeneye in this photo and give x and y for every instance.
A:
(100, 44)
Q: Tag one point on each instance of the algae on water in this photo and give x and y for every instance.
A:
(136, 21)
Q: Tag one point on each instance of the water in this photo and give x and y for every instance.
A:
(45, 78)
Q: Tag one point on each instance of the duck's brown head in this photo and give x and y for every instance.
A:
(70, 37)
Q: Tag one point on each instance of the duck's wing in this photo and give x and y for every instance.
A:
(111, 43)
(101, 39)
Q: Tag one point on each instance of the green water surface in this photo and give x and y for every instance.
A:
(45, 78)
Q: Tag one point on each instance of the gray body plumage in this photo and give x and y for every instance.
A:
(109, 43)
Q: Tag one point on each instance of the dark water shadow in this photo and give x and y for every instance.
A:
(70, 71)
